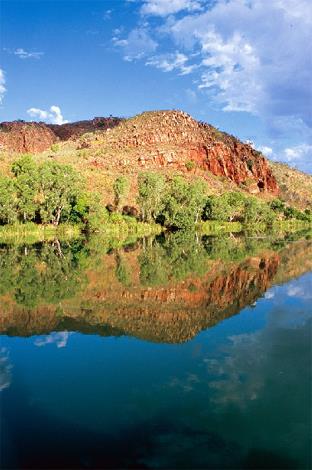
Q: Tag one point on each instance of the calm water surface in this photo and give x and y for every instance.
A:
(172, 353)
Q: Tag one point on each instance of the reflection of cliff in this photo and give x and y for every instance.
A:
(115, 301)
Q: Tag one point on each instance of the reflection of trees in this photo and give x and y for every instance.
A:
(168, 290)
(174, 257)
(42, 273)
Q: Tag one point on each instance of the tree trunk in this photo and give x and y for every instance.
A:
(58, 216)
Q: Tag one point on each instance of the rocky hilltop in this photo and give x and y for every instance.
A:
(151, 140)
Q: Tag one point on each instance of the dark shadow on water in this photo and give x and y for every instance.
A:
(259, 459)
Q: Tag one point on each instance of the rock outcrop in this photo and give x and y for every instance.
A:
(151, 140)
(24, 137)
(73, 130)
(175, 140)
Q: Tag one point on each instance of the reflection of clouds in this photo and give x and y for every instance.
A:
(185, 385)
(5, 369)
(300, 288)
(269, 294)
(59, 339)
(231, 377)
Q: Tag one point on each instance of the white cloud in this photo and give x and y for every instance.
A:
(168, 7)
(254, 53)
(136, 45)
(170, 62)
(53, 116)
(2, 85)
(268, 151)
(22, 54)
(298, 152)
(246, 56)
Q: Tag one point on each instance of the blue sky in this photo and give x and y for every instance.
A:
(242, 65)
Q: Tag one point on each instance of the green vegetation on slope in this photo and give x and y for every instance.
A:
(51, 194)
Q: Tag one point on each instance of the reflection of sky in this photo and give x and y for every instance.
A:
(244, 381)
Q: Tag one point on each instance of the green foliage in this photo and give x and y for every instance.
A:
(257, 212)
(8, 213)
(227, 207)
(59, 186)
(42, 273)
(183, 203)
(151, 187)
(121, 188)
(49, 193)
(277, 205)
(293, 213)
(190, 165)
(55, 148)
(26, 184)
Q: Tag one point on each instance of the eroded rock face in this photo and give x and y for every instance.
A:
(152, 140)
(174, 139)
(36, 137)
(23, 137)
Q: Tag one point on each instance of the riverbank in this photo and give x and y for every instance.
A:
(129, 228)
(214, 227)
(29, 233)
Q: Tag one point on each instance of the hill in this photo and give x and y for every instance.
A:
(295, 187)
(170, 142)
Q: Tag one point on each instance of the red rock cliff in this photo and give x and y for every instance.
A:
(152, 140)
(26, 136)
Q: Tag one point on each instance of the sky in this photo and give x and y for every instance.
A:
(244, 66)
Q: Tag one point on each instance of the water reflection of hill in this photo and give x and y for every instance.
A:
(163, 290)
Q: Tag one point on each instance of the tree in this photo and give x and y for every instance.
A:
(26, 185)
(8, 212)
(183, 203)
(257, 212)
(226, 207)
(121, 188)
(59, 186)
(151, 189)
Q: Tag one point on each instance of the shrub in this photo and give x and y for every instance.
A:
(190, 165)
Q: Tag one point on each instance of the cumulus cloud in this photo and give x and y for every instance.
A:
(168, 7)
(254, 54)
(170, 62)
(298, 152)
(136, 45)
(53, 116)
(246, 56)
(23, 54)
(2, 85)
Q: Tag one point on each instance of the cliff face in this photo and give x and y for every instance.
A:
(36, 137)
(23, 137)
(174, 139)
(152, 140)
